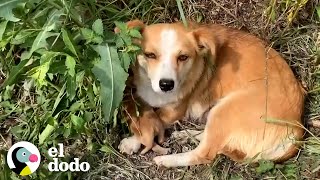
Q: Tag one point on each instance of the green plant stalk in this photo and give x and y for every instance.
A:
(183, 18)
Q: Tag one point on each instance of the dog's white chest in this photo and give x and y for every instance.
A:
(196, 110)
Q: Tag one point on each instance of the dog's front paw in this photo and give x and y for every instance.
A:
(159, 160)
(129, 145)
(165, 161)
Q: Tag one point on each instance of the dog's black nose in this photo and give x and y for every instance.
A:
(166, 84)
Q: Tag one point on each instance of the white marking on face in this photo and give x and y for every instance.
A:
(146, 91)
(167, 50)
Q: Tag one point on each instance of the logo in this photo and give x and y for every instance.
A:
(64, 166)
(23, 158)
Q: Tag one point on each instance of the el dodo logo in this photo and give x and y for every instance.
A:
(64, 166)
(23, 158)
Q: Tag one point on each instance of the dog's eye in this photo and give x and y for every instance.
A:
(200, 46)
(182, 57)
(150, 55)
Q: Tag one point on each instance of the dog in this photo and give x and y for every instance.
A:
(145, 126)
(254, 102)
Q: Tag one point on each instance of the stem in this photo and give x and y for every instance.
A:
(183, 18)
(71, 16)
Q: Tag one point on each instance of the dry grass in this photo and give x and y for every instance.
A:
(298, 43)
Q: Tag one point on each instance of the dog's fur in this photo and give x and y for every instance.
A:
(145, 126)
(241, 82)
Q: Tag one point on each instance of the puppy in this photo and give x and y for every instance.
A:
(144, 126)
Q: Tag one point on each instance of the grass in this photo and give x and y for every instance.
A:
(43, 108)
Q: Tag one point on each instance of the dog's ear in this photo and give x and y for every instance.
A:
(207, 41)
(133, 24)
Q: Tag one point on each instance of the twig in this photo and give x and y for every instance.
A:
(134, 122)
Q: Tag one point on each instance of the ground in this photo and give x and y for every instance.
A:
(292, 27)
(297, 41)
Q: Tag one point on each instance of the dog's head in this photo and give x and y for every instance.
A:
(170, 52)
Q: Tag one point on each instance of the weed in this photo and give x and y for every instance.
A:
(64, 75)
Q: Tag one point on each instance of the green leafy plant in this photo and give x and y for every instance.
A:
(290, 8)
(65, 76)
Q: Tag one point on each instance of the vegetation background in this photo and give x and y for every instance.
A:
(63, 72)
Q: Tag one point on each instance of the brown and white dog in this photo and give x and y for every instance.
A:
(232, 75)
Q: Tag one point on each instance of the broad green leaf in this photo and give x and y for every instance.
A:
(135, 33)
(68, 42)
(80, 77)
(59, 97)
(71, 87)
(58, 67)
(42, 12)
(8, 92)
(87, 33)
(110, 36)
(21, 37)
(90, 36)
(112, 79)
(77, 121)
(133, 48)
(126, 61)
(3, 26)
(119, 42)
(318, 12)
(14, 74)
(48, 130)
(97, 39)
(53, 21)
(67, 132)
(71, 64)
(88, 116)
(75, 14)
(107, 149)
(6, 7)
(122, 26)
(97, 26)
(40, 42)
(76, 106)
(39, 73)
(126, 39)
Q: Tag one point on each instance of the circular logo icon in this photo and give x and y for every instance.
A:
(23, 158)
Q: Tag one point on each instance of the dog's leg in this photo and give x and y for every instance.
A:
(213, 139)
(160, 150)
(147, 142)
(211, 143)
(201, 155)
(161, 137)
